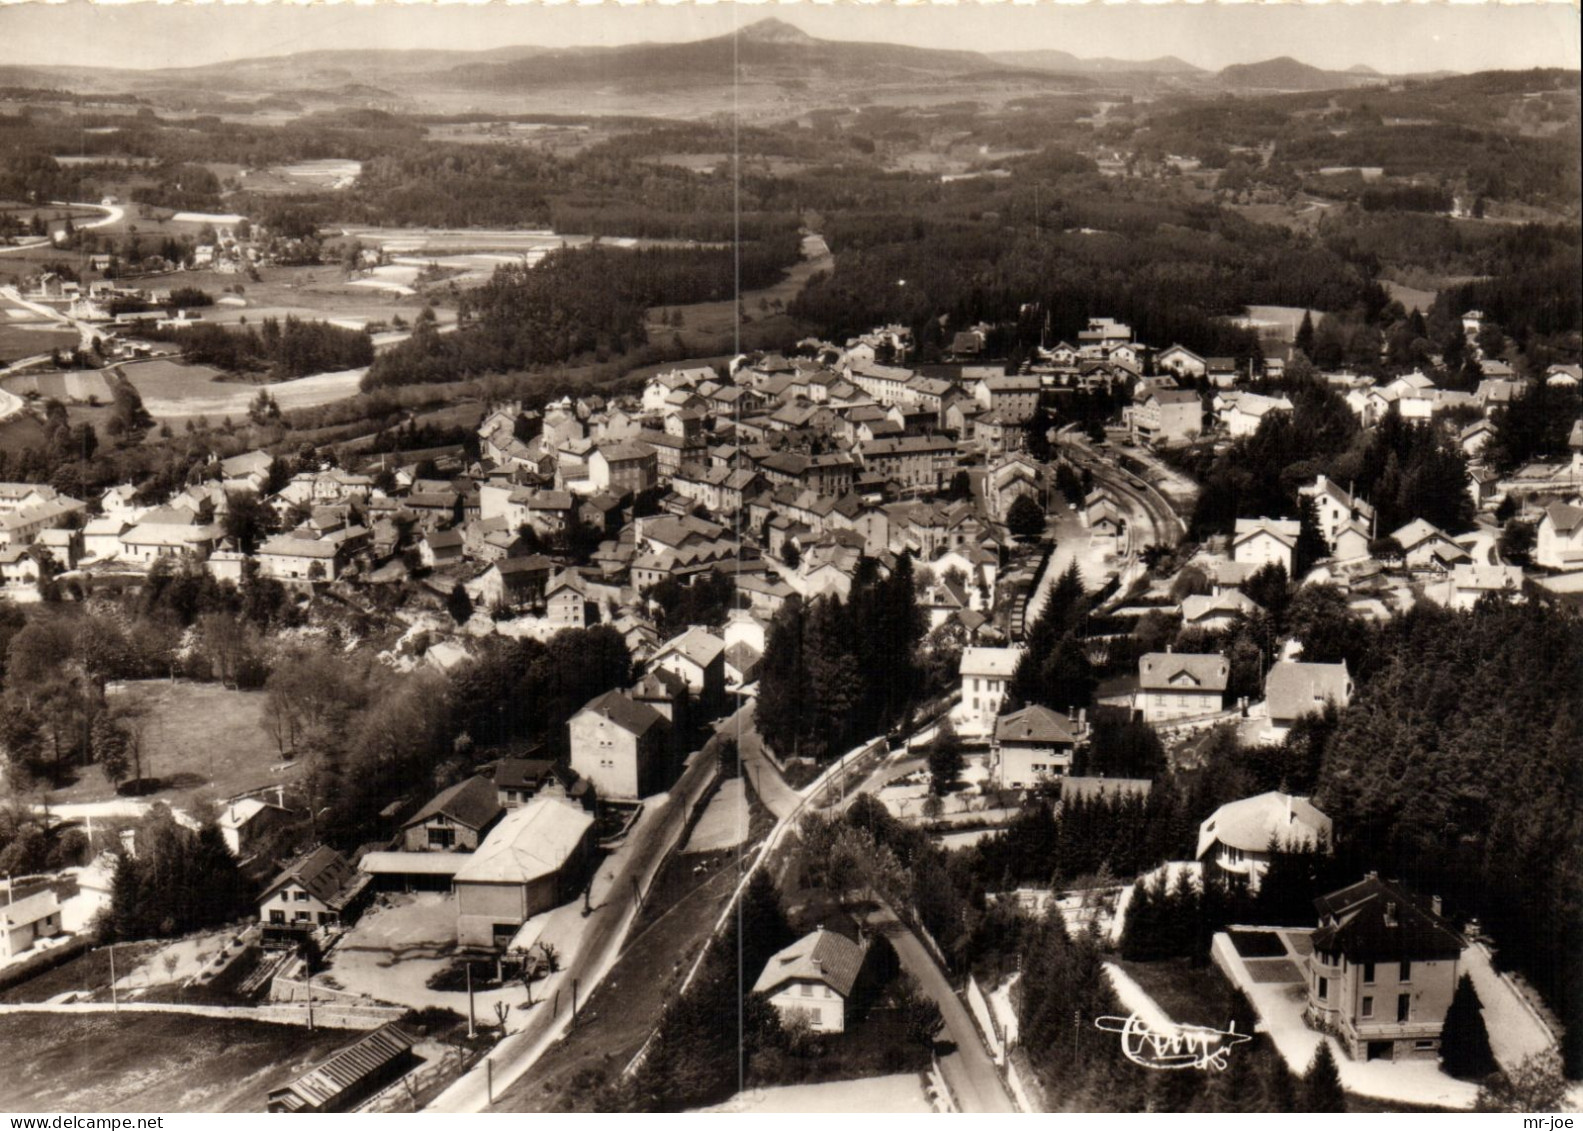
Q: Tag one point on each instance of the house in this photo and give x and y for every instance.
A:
(1293, 689)
(1180, 685)
(165, 532)
(511, 582)
(623, 467)
(536, 858)
(813, 979)
(246, 472)
(916, 463)
(986, 673)
(1559, 541)
(1467, 584)
(457, 819)
(246, 823)
(1014, 397)
(440, 547)
(26, 921)
(1181, 361)
(1031, 745)
(289, 557)
(1382, 971)
(1351, 543)
(1166, 416)
(1475, 438)
(22, 527)
(518, 780)
(618, 744)
(1263, 541)
(1237, 837)
(349, 1076)
(1249, 410)
(1335, 507)
(697, 656)
(566, 601)
(1427, 547)
(18, 566)
(320, 888)
(742, 664)
(1217, 612)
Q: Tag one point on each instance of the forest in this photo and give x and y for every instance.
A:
(281, 350)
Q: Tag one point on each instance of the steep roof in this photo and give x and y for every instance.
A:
(1231, 602)
(1285, 530)
(1158, 671)
(518, 773)
(823, 956)
(1563, 517)
(1034, 724)
(1251, 823)
(697, 644)
(324, 874)
(997, 662)
(1293, 689)
(472, 803)
(1377, 920)
(628, 714)
(529, 843)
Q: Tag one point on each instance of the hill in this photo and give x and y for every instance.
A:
(1286, 73)
(1064, 62)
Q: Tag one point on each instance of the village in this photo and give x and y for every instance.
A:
(790, 478)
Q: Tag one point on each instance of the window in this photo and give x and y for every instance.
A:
(1404, 1008)
(277, 916)
(1406, 974)
(1324, 989)
(303, 917)
(1424, 1044)
(302, 897)
(1368, 974)
(1368, 1007)
(442, 838)
(807, 989)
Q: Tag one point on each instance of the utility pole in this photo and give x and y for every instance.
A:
(115, 1002)
(489, 1074)
(310, 1003)
(574, 1003)
(470, 1029)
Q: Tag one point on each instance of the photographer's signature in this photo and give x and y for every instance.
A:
(1180, 1046)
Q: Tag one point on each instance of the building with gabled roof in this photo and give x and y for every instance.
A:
(1426, 547)
(533, 860)
(1559, 538)
(619, 744)
(1382, 971)
(319, 889)
(1293, 689)
(1181, 685)
(813, 978)
(457, 818)
(27, 921)
(350, 1075)
(986, 674)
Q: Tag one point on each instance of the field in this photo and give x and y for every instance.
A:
(79, 385)
(196, 737)
(151, 1062)
(173, 391)
(21, 340)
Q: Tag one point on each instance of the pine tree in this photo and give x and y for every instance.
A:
(1322, 1083)
(1305, 334)
(1464, 1041)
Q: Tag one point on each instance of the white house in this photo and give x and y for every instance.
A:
(813, 979)
(1559, 544)
(1293, 689)
(1032, 745)
(1181, 685)
(986, 673)
(1263, 541)
(1238, 836)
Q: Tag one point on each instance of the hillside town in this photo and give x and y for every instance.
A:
(1069, 600)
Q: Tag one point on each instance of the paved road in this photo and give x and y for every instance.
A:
(603, 937)
(969, 1071)
(778, 797)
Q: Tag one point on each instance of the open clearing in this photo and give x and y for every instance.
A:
(196, 737)
(171, 389)
(724, 823)
(886, 1095)
(61, 1062)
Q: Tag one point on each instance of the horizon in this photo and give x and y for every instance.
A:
(1395, 38)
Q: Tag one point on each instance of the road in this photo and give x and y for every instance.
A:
(606, 930)
(112, 214)
(969, 1072)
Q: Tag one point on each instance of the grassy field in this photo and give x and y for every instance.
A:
(151, 1062)
(19, 341)
(76, 385)
(197, 738)
(88, 974)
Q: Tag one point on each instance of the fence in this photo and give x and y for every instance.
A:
(979, 1006)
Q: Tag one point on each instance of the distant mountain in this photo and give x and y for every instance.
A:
(1363, 69)
(1287, 73)
(1064, 62)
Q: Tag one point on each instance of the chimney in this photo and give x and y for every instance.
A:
(1390, 914)
(1290, 817)
(1434, 905)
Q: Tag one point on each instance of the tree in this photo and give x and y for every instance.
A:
(248, 520)
(919, 1012)
(1464, 1041)
(945, 759)
(1517, 540)
(1535, 1085)
(459, 604)
(1322, 1083)
(1305, 334)
(1025, 519)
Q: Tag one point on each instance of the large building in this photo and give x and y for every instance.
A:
(1294, 689)
(1382, 972)
(618, 744)
(533, 860)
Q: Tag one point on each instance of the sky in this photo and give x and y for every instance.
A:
(1397, 37)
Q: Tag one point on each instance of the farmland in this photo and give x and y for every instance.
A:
(151, 1061)
(197, 737)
